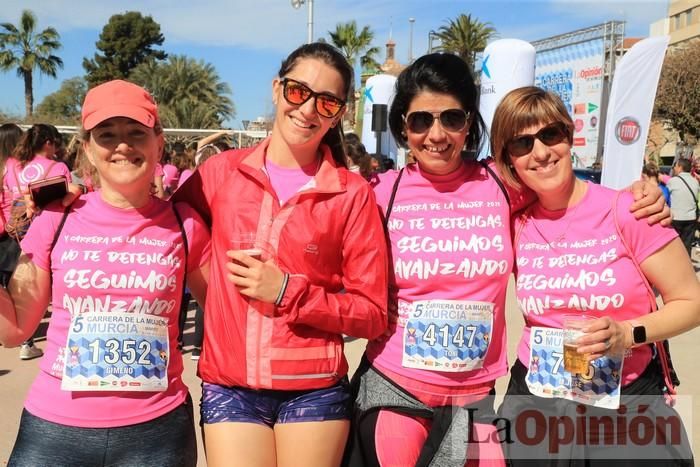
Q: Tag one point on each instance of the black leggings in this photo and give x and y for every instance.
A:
(167, 441)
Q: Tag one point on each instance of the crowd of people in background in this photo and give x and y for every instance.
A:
(338, 242)
(42, 152)
(681, 189)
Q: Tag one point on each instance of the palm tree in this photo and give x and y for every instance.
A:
(190, 93)
(465, 36)
(23, 49)
(355, 45)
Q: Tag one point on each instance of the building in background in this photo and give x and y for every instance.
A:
(579, 66)
(682, 24)
(683, 21)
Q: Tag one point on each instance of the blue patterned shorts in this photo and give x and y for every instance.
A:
(268, 406)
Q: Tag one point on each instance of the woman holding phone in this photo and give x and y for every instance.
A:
(113, 267)
(33, 161)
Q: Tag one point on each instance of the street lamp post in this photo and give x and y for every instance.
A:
(432, 36)
(296, 4)
(410, 39)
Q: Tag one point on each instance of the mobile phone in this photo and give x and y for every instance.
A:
(47, 190)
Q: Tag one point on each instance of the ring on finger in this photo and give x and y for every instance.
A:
(608, 344)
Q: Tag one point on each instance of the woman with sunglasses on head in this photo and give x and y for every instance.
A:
(113, 266)
(575, 230)
(448, 218)
(272, 364)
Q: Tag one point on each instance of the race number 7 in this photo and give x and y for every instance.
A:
(558, 358)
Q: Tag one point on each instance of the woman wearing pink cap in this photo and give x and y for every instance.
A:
(113, 267)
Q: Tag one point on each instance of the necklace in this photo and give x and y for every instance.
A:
(569, 214)
(557, 238)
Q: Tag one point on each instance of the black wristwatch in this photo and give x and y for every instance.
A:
(639, 333)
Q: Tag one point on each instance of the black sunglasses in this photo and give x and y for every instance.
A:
(296, 93)
(450, 120)
(552, 134)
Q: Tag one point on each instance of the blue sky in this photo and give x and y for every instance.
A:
(247, 39)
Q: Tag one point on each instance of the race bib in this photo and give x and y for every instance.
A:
(547, 376)
(116, 352)
(447, 335)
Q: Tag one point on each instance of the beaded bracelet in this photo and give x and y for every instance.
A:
(285, 280)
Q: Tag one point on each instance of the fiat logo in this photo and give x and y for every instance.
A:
(627, 130)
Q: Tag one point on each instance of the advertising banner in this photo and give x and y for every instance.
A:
(507, 64)
(379, 89)
(575, 73)
(629, 111)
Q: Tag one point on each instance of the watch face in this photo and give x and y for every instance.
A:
(640, 334)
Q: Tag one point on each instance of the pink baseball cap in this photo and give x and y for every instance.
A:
(118, 98)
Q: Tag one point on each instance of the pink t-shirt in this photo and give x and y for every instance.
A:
(572, 261)
(288, 181)
(16, 179)
(39, 168)
(102, 253)
(7, 196)
(450, 240)
(187, 173)
(170, 176)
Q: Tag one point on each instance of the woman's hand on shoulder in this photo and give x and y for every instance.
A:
(649, 203)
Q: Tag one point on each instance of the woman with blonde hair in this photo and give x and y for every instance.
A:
(113, 266)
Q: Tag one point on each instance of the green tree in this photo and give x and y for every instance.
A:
(677, 101)
(354, 45)
(24, 49)
(63, 106)
(465, 36)
(190, 93)
(126, 41)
